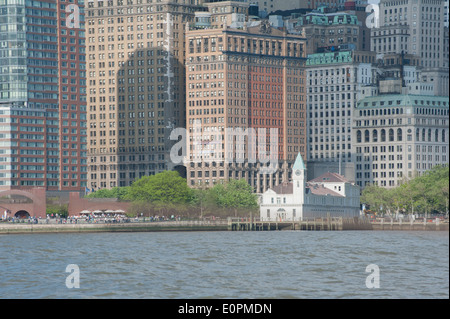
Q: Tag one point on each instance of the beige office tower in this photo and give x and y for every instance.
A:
(418, 28)
(136, 86)
(281, 5)
(245, 85)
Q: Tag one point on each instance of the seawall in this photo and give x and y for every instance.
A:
(119, 227)
(430, 226)
(223, 225)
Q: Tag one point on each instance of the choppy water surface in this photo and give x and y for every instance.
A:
(287, 264)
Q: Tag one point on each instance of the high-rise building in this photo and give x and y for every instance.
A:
(399, 136)
(446, 16)
(136, 77)
(415, 27)
(42, 95)
(335, 82)
(243, 77)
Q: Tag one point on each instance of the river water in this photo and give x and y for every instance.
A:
(223, 265)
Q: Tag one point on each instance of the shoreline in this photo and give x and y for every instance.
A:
(110, 228)
(176, 226)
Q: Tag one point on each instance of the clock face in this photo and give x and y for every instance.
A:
(298, 172)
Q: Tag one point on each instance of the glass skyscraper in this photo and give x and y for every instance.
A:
(42, 95)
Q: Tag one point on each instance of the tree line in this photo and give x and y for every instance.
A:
(167, 193)
(424, 194)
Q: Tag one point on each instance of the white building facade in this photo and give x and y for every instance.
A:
(335, 81)
(398, 137)
(328, 195)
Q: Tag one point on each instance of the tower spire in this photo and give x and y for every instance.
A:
(299, 164)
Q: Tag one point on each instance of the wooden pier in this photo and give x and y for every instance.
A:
(312, 224)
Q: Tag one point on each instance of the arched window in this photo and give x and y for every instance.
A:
(399, 135)
(436, 135)
(391, 135)
(417, 135)
(358, 136)
(366, 136)
(383, 135)
(429, 135)
(443, 135)
(375, 136)
(423, 135)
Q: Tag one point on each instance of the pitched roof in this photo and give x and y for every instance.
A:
(330, 178)
(318, 189)
(284, 188)
(314, 186)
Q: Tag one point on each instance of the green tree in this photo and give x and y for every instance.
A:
(426, 193)
(236, 195)
(102, 193)
(406, 195)
(376, 197)
(204, 201)
(120, 193)
(439, 190)
(166, 187)
(60, 209)
(432, 189)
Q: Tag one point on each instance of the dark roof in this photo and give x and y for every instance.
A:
(284, 188)
(318, 189)
(330, 178)
(314, 186)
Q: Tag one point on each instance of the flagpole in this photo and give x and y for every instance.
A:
(340, 164)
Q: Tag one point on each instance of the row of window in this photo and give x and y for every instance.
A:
(424, 136)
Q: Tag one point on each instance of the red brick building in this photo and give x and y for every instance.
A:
(242, 76)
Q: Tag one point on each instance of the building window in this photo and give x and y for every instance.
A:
(391, 135)
(399, 135)
(358, 136)
(383, 135)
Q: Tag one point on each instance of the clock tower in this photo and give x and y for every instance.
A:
(298, 179)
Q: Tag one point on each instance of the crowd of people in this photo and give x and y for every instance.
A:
(90, 218)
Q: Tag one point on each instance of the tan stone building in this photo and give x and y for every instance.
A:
(243, 77)
(415, 28)
(135, 56)
(274, 5)
(334, 31)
